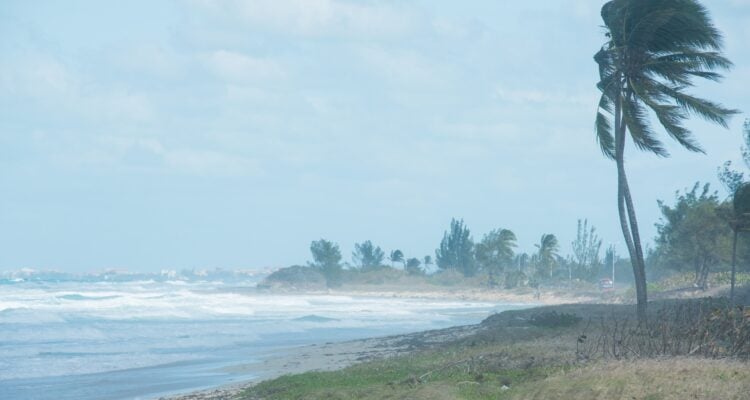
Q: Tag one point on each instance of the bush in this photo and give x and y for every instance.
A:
(514, 279)
(708, 328)
(297, 277)
(553, 319)
(373, 276)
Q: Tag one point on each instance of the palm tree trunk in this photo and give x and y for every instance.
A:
(626, 210)
(734, 267)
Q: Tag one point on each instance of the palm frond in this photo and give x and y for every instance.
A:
(705, 109)
(636, 120)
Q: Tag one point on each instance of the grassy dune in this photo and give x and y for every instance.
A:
(508, 357)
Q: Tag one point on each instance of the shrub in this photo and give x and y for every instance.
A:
(296, 276)
(553, 319)
(707, 327)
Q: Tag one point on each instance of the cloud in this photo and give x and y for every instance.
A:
(536, 96)
(47, 81)
(401, 66)
(151, 60)
(148, 153)
(312, 17)
(236, 67)
(211, 163)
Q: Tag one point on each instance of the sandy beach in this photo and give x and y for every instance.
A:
(331, 356)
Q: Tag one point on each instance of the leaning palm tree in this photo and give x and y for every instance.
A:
(654, 49)
(546, 255)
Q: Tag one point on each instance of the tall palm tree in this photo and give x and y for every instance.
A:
(654, 50)
(546, 255)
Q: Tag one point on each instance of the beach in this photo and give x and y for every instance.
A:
(336, 355)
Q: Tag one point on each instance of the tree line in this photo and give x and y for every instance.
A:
(494, 257)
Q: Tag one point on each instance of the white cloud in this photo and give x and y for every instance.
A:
(212, 163)
(150, 59)
(401, 66)
(538, 96)
(148, 153)
(49, 82)
(236, 67)
(312, 17)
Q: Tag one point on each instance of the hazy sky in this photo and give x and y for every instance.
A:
(180, 134)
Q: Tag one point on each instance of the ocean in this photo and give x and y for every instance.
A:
(142, 340)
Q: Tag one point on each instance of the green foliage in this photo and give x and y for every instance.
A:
(413, 266)
(586, 247)
(514, 279)
(554, 319)
(297, 276)
(427, 261)
(367, 256)
(741, 202)
(457, 250)
(655, 50)
(692, 234)
(730, 178)
(396, 256)
(327, 259)
(546, 258)
(495, 252)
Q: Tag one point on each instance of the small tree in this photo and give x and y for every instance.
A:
(739, 222)
(729, 177)
(693, 233)
(396, 256)
(412, 266)
(427, 262)
(495, 252)
(457, 249)
(327, 259)
(586, 249)
(367, 256)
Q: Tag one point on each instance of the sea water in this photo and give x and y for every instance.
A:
(142, 340)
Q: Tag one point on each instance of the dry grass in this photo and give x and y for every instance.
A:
(678, 379)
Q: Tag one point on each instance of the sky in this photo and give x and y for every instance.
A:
(195, 134)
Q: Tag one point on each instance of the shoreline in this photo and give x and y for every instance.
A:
(338, 355)
(329, 356)
(547, 296)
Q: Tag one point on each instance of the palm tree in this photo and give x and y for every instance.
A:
(396, 256)
(495, 252)
(654, 50)
(546, 255)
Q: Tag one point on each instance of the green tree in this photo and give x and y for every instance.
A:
(396, 256)
(586, 262)
(367, 256)
(693, 234)
(412, 266)
(728, 176)
(654, 50)
(327, 259)
(427, 261)
(546, 258)
(495, 252)
(739, 222)
(456, 250)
